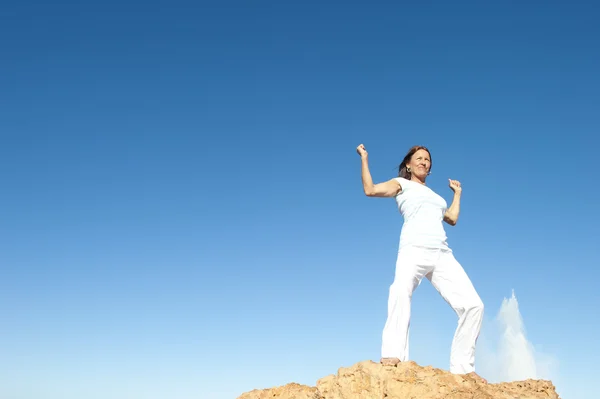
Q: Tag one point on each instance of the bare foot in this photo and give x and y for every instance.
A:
(477, 377)
(390, 361)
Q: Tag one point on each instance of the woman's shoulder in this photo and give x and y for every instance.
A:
(402, 180)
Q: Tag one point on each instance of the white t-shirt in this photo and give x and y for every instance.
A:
(423, 212)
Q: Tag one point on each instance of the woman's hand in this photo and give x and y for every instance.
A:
(362, 151)
(455, 186)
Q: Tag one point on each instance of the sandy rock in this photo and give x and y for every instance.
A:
(288, 391)
(370, 380)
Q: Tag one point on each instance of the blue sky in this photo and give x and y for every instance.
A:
(182, 212)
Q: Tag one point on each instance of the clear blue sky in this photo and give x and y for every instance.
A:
(182, 213)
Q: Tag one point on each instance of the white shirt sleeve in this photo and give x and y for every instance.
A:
(403, 184)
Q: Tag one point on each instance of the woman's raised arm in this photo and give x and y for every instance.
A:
(390, 188)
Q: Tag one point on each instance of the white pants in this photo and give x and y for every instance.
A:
(450, 280)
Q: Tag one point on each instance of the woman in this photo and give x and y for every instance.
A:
(424, 252)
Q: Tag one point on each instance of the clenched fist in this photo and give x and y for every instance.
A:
(362, 151)
(455, 186)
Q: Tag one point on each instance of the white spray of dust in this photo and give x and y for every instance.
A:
(505, 353)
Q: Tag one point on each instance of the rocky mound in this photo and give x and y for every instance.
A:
(370, 380)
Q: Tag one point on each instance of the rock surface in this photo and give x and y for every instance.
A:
(370, 380)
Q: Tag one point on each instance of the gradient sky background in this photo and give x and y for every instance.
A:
(182, 212)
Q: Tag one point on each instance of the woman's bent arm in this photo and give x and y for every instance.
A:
(451, 216)
(390, 188)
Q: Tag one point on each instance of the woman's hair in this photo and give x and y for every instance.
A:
(402, 172)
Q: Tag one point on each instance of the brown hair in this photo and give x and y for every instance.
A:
(402, 172)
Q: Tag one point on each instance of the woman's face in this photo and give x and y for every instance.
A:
(420, 163)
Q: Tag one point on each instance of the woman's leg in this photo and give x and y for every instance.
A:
(453, 284)
(411, 266)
